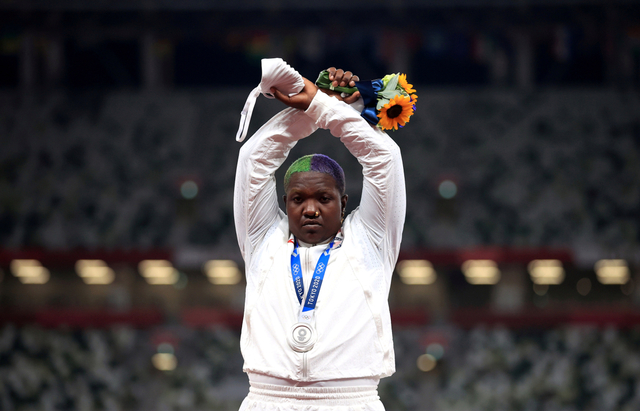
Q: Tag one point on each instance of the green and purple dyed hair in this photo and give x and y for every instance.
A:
(319, 163)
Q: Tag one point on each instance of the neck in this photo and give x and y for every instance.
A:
(303, 244)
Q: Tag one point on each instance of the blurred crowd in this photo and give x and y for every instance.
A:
(112, 370)
(558, 369)
(104, 169)
(568, 368)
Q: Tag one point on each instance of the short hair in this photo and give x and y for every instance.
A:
(319, 163)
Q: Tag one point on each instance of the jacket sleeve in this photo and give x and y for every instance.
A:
(255, 202)
(383, 204)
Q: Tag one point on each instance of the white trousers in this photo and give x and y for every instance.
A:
(270, 397)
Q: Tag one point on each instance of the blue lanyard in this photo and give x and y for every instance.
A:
(316, 280)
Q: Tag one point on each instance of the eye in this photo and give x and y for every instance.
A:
(325, 199)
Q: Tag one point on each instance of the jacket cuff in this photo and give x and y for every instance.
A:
(319, 105)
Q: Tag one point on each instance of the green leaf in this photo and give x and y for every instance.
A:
(385, 79)
(393, 82)
(381, 103)
(388, 93)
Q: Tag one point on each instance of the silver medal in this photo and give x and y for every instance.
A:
(302, 337)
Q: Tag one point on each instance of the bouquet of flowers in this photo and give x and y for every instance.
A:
(389, 102)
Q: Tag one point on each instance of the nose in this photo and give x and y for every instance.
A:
(311, 211)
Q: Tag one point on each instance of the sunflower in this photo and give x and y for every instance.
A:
(402, 80)
(395, 113)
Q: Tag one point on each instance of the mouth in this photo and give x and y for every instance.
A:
(311, 224)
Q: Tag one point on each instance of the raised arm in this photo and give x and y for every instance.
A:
(383, 203)
(255, 198)
(255, 202)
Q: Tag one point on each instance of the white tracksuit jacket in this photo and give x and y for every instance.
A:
(352, 312)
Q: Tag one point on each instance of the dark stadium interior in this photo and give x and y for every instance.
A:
(522, 163)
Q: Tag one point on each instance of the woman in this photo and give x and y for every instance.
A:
(316, 332)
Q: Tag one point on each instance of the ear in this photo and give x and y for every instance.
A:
(284, 198)
(343, 200)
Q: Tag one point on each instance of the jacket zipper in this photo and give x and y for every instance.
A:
(305, 366)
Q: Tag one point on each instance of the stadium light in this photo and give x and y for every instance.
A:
(189, 190)
(30, 271)
(164, 361)
(222, 272)
(447, 189)
(546, 272)
(94, 272)
(612, 271)
(481, 272)
(426, 362)
(583, 286)
(158, 272)
(416, 272)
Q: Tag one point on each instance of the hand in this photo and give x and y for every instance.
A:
(343, 78)
(302, 99)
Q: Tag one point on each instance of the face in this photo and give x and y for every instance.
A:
(310, 192)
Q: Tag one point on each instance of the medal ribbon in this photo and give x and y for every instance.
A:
(316, 281)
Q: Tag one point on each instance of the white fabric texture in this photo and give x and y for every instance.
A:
(349, 382)
(352, 313)
(275, 73)
(266, 397)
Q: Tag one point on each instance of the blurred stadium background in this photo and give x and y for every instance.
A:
(121, 285)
